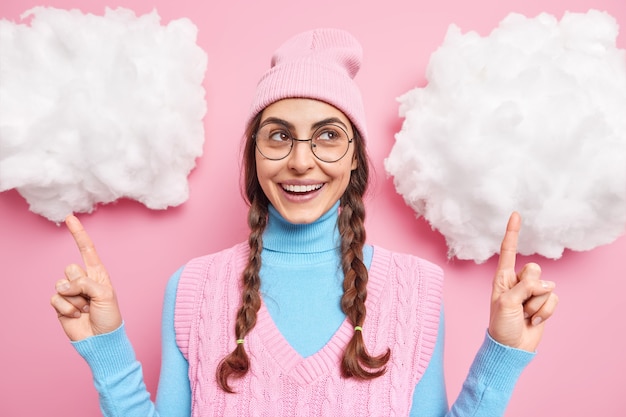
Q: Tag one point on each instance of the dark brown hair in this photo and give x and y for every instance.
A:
(357, 362)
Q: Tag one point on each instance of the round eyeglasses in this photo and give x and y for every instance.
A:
(329, 142)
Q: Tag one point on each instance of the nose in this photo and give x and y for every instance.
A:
(301, 157)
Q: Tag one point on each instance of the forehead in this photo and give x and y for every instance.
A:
(303, 112)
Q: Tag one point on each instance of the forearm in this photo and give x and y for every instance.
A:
(117, 374)
(491, 380)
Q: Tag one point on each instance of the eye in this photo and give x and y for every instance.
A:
(279, 136)
(329, 134)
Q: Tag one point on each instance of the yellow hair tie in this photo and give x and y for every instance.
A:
(358, 329)
(240, 341)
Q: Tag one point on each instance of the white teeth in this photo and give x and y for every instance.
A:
(301, 188)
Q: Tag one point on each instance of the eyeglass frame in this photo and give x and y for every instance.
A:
(312, 145)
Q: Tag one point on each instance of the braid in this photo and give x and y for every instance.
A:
(356, 358)
(351, 227)
(237, 363)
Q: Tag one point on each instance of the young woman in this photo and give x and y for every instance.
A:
(304, 319)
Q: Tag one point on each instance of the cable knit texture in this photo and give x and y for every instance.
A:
(403, 307)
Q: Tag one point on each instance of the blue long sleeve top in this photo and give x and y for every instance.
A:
(118, 376)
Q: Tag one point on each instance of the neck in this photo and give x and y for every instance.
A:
(320, 236)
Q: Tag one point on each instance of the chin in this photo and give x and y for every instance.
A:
(301, 219)
(301, 216)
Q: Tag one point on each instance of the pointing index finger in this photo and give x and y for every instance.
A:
(508, 249)
(83, 241)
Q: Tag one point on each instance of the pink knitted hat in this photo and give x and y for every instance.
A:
(318, 64)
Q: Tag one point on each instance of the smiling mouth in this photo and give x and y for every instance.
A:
(300, 189)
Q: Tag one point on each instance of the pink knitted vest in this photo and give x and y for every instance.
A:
(403, 307)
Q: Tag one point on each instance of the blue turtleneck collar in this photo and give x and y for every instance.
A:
(320, 236)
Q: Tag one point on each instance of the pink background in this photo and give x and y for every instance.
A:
(580, 367)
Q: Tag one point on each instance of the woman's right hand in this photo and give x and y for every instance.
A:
(85, 300)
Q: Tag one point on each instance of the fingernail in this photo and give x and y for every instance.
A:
(86, 308)
(76, 314)
(63, 286)
(526, 315)
(537, 320)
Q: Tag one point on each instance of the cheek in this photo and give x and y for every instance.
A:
(342, 176)
(265, 172)
(262, 168)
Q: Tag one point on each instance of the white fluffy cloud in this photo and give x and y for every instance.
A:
(530, 118)
(96, 108)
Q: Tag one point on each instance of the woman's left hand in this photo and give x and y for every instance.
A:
(520, 302)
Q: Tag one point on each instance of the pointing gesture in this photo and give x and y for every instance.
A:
(85, 300)
(520, 302)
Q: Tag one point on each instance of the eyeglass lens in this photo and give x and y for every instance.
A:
(329, 142)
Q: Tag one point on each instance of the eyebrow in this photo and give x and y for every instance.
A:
(290, 126)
